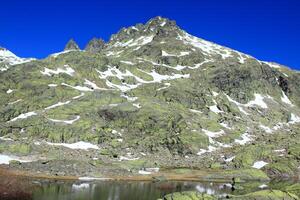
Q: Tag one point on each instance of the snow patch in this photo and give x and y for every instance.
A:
(259, 164)
(130, 99)
(215, 109)
(213, 134)
(9, 91)
(114, 72)
(285, 99)
(58, 105)
(167, 85)
(78, 145)
(143, 40)
(200, 64)
(294, 119)
(195, 111)
(214, 93)
(93, 85)
(152, 169)
(142, 172)
(265, 128)
(279, 150)
(23, 116)
(183, 53)
(6, 139)
(257, 101)
(239, 105)
(229, 159)
(273, 65)
(157, 78)
(164, 53)
(263, 186)
(54, 55)
(79, 96)
(14, 102)
(225, 125)
(116, 54)
(208, 48)
(10, 58)
(65, 121)
(5, 159)
(242, 57)
(127, 158)
(137, 105)
(245, 139)
(127, 62)
(209, 150)
(67, 70)
(79, 88)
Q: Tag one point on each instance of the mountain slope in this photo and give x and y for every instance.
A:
(155, 94)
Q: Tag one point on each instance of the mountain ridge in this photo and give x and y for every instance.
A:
(159, 20)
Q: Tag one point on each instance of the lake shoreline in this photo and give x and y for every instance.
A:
(18, 184)
(165, 175)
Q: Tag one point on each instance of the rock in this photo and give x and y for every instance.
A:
(95, 45)
(189, 196)
(267, 195)
(71, 45)
(259, 195)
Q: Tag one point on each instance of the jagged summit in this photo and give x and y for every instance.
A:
(160, 22)
(71, 45)
(156, 26)
(95, 45)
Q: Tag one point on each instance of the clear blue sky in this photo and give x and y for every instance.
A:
(266, 29)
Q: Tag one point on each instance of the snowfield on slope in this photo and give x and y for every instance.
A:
(78, 145)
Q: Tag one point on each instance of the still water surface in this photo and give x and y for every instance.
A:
(12, 188)
(122, 190)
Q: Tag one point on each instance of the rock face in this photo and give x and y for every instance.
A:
(154, 93)
(95, 45)
(71, 45)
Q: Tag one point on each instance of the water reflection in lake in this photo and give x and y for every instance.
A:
(112, 190)
(12, 188)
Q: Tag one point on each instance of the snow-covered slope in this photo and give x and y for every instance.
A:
(8, 58)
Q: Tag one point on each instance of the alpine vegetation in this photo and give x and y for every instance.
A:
(150, 100)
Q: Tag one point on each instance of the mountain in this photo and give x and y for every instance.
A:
(7, 58)
(152, 96)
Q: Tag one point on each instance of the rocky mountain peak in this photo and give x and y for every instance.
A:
(157, 27)
(160, 22)
(95, 45)
(71, 45)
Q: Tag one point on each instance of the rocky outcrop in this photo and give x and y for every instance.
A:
(189, 196)
(259, 195)
(95, 45)
(71, 45)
